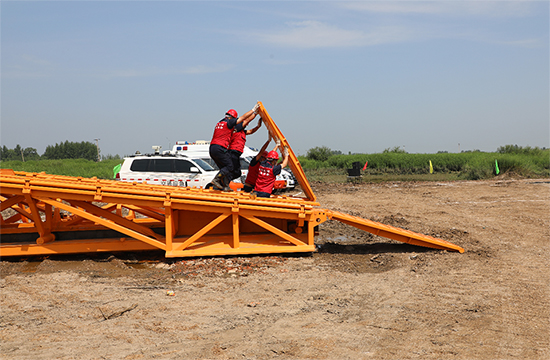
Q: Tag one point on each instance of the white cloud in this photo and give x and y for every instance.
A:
(275, 61)
(315, 34)
(458, 8)
(15, 72)
(526, 43)
(26, 66)
(203, 69)
(193, 70)
(30, 59)
(375, 29)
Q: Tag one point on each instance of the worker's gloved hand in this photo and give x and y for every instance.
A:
(285, 151)
(256, 108)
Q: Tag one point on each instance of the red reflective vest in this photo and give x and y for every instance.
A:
(266, 177)
(222, 132)
(238, 140)
(252, 175)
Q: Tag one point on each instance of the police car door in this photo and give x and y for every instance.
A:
(162, 171)
(186, 173)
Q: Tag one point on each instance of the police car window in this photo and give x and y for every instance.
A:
(140, 165)
(183, 166)
(162, 165)
(210, 162)
(204, 165)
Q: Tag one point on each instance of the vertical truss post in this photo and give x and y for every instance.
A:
(169, 227)
(43, 231)
(235, 223)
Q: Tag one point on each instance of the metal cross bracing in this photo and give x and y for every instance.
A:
(50, 214)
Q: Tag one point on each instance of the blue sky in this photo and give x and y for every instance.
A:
(354, 76)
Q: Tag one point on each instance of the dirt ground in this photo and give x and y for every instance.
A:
(358, 297)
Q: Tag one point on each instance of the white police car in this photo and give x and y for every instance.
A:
(188, 164)
(166, 169)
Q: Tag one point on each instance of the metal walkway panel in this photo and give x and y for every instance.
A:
(392, 232)
(293, 162)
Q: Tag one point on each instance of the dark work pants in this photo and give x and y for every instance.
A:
(222, 158)
(236, 161)
(261, 194)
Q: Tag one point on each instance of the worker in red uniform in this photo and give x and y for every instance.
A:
(220, 143)
(254, 167)
(268, 171)
(236, 146)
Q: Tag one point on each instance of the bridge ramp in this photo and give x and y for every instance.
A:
(392, 232)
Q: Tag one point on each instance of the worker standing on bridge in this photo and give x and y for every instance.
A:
(220, 143)
(268, 171)
(254, 167)
(236, 146)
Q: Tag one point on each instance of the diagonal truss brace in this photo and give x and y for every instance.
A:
(235, 222)
(110, 220)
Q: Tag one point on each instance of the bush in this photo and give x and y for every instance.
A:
(395, 149)
(320, 153)
(514, 149)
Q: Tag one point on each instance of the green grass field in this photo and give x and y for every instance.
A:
(381, 166)
(69, 167)
(402, 166)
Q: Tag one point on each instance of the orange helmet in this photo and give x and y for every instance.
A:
(232, 112)
(273, 155)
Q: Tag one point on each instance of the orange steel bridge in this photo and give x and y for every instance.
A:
(52, 214)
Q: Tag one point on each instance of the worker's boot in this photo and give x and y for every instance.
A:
(217, 181)
(226, 182)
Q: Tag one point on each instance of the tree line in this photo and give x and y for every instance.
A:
(64, 150)
(323, 153)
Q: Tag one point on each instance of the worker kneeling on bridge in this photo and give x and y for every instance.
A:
(268, 171)
(254, 167)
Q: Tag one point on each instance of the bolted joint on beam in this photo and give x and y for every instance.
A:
(167, 200)
(235, 207)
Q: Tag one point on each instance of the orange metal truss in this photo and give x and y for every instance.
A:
(60, 214)
(50, 214)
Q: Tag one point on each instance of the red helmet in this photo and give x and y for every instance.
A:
(273, 155)
(232, 112)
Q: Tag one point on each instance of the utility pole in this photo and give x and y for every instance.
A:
(97, 146)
